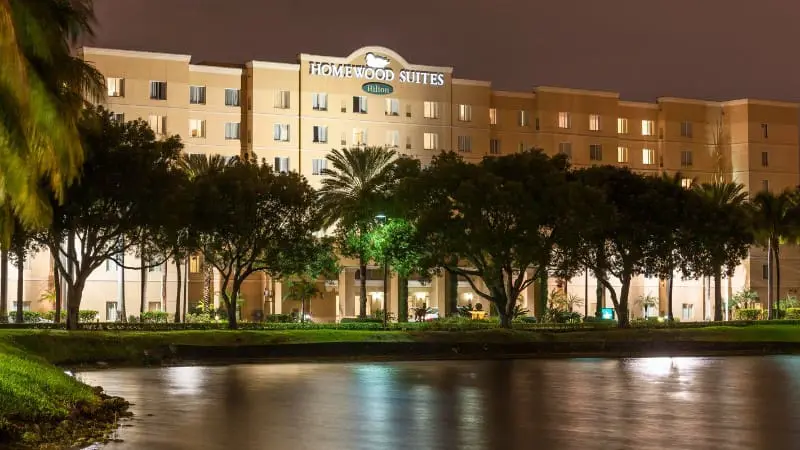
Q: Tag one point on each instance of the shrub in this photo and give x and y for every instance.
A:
(378, 314)
(155, 317)
(748, 314)
(278, 318)
(361, 320)
(87, 316)
(27, 316)
(793, 314)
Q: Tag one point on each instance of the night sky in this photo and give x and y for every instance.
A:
(710, 49)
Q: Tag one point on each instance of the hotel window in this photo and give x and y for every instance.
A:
(492, 116)
(565, 148)
(197, 128)
(765, 185)
(686, 129)
(523, 118)
(765, 130)
(318, 165)
(596, 152)
(118, 117)
(648, 156)
(622, 155)
(430, 141)
(344, 138)
(359, 136)
(282, 99)
(686, 183)
(622, 125)
(687, 311)
(465, 144)
(564, 120)
(393, 138)
(232, 130)
(194, 264)
(280, 132)
(197, 95)
(111, 266)
(115, 87)
(764, 159)
(536, 124)
(281, 164)
(431, 110)
(465, 113)
(153, 306)
(111, 311)
(392, 107)
(158, 90)
(158, 124)
(344, 106)
(521, 146)
(319, 101)
(687, 159)
(494, 147)
(231, 97)
(154, 269)
(594, 122)
(648, 128)
(359, 104)
(764, 272)
(320, 134)
(408, 110)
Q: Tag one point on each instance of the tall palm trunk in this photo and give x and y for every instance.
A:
(59, 296)
(20, 286)
(770, 280)
(3, 286)
(670, 281)
(142, 287)
(718, 294)
(164, 287)
(362, 311)
(179, 277)
(777, 280)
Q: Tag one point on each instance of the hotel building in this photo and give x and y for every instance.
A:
(293, 114)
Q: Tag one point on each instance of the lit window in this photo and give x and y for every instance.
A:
(194, 264)
(232, 130)
(764, 159)
(111, 266)
(158, 124)
(765, 185)
(687, 311)
(494, 147)
(408, 142)
(648, 128)
(281, 164)
(118, 117)
(359, 136)
(622, 125)
(197, 128)
(282, 99)
(392, 107)
(360, 104)
(622, 155)
(596, 152)
(492, 116)
(393, 138)
(648, 156)
(565, 148)
(594, 122)
(465, 113)
(115, 87)
(318, 165)
(687, 159)
(319, 101)
(686, 129)
(686, 183)
(197, 95)
(320, 134)
(232, 97)
(523, 118)
(764, 272)
(280, 132)
(158, 90)
(465, 144)
(430, 141)
(564, 120)
(431, 110)
(344, 138)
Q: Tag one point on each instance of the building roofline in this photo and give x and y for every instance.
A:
(514, 94)
(374, 49)
(752, 101)
(272, 65)
(134, 54)
(689, 101)
(466, 82)
(563, 90)
(638, 104)
(204, 68)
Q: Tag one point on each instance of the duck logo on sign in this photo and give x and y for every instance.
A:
(377, 62)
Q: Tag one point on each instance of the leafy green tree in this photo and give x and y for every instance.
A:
(89, 226)
(303, 291)
(23, 247)
(355, 189)
(246, 218)
(722, 234)
(775, 220)
(502, 217)
(44, 88)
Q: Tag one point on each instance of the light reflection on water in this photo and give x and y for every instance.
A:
(668, 403)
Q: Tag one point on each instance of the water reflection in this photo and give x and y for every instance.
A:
(669, 403)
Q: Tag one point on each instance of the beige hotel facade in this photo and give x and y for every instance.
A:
(294, 114)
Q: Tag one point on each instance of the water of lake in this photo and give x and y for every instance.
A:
(748, 403)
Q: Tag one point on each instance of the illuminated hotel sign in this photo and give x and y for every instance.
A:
(376, 69)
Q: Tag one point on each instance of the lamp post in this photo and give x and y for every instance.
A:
(382, 221)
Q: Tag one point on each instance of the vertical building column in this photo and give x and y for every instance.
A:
(394, 295)
(451, 294)
(438, 293)
(277, 297)
(217, 291)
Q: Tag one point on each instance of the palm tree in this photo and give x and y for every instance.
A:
(301, 291)
(354, 192)
(45, 88)
(774, 221)
(724, 196)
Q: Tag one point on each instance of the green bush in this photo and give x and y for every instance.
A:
(361, 320)
(155, 317)
(278, 318)
(27, 316)
(748, 314)
(793, 314)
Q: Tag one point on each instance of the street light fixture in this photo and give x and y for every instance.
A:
(382, 221)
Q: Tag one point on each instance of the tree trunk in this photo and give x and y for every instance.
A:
(718, 294)
(3, 286)
(20, 286)
(231, 304)
(777, 280)
(505, 317)
(402, 299)
(362, 308)
(59, 296)
(598, 306)
(670, 281)
(164, 302)
(452, 294)
(208, 284)
(142, 288)
(302, 310)
(185, 288)
(74, 294)
(623, 318)
(179, 279)
(542, 272)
